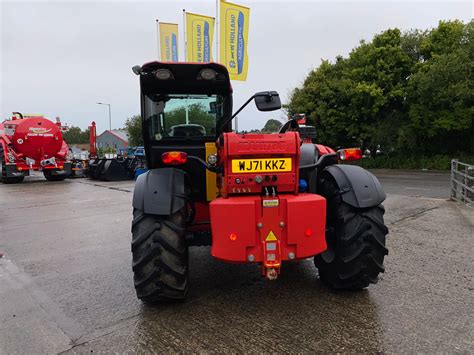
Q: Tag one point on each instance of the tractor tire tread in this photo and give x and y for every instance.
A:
(3, 178)
(144, 236)
(160, 257)
(50, 177)
(358, 244)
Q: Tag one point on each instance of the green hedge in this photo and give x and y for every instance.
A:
(435, 162)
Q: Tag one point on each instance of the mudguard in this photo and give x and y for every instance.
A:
(358, 187)
(308, 154)
(160, 191)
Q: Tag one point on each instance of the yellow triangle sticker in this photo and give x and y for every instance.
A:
(270, 237)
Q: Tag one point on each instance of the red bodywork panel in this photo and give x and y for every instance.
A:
(324, 149)
(255, 147)
(260, 216)
(236, 233)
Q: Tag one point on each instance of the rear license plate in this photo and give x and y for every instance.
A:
(261, 165)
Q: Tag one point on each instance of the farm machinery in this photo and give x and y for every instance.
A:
(255, 198)
(80, 159)
(32, 142)
(112, 168)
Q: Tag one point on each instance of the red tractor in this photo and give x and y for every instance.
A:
(255, 198)
(30, 143)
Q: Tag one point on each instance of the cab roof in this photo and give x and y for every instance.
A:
(185, 78)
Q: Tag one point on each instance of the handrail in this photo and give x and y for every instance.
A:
(462, 182)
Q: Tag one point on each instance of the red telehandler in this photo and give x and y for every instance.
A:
(255, 198)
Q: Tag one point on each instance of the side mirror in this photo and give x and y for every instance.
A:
(267, 101)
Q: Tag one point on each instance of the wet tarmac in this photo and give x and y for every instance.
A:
(66, 282)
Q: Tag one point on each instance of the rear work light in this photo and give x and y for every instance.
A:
(349, 154)
(174, 158)
(163, 74)
(207, 74)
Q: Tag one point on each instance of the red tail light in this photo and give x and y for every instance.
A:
(349, 154)
(174, 158)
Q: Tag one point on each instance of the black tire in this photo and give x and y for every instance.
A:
(160, 256)
(50, 177)
(356, 242)
(3, 175)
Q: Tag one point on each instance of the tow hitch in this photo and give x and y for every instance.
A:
(271, 256)
(271, 274)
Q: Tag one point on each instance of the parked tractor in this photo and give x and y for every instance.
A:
(255, 198)
(29, 143)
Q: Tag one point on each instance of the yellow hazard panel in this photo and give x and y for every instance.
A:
(261, 165)
(271, 237)
(211, 179)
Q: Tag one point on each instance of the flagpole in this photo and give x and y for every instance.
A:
(158, 34)
(184, 32)
(185, 59)
(217, 31)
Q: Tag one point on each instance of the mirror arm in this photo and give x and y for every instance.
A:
(237, 112)
(243, 106)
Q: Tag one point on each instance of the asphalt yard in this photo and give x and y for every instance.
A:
(66, 282)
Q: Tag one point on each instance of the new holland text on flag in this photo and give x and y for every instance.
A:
(168, 41)
(199, 35)
(234, 32)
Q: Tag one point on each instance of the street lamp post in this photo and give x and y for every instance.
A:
(110, 114)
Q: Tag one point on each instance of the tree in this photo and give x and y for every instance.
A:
(272, 126)
(133, 126)
(74, 135)
(197, 114)
(403, 91)
(441, 92)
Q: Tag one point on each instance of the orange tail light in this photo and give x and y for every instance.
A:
(349, 154)
(174, 158)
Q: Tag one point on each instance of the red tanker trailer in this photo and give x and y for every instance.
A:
(32, 142)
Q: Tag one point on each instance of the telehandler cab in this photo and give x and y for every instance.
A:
(255, 198)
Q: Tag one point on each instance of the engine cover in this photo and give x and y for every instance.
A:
(259, 163)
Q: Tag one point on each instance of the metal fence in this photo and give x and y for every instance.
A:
(462, 182)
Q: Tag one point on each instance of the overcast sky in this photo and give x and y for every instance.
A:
(59, 58)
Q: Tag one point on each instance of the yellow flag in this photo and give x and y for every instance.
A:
(168, 42)
(199, 35)
(234, 33)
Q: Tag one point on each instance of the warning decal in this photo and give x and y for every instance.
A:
(270, 237)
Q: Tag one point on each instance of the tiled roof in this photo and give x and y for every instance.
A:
(120, 133)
